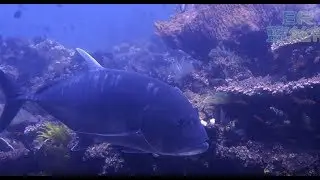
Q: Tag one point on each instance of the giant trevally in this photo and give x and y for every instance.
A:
(127, 109)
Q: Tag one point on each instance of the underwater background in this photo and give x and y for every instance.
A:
(75, 25)
(252, 71)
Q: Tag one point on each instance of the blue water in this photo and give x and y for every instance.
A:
(92, 27)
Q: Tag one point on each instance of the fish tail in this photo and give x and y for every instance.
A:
(13, 104)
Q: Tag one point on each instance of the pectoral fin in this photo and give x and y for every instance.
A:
(125, 134)
(127, 142)
(133, 151)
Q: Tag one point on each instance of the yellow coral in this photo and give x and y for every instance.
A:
(56, 134)
(54, 138)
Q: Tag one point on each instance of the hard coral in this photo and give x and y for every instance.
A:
(112, 160)
(200, 29)
(229, 63)
(275, 160)
(208, 24)
(264, 85)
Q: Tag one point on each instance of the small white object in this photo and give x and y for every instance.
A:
(212, 121)
(92, 63)
(204, 123)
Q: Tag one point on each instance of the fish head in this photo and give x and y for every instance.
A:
(176, 130)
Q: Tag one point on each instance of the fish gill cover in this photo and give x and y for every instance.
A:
(252, 72)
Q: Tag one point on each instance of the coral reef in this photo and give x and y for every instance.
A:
(258, 92)
(110, 159)
(273, 160)
(238, 45)
(264, 85)
(233, 24)
(14, 157)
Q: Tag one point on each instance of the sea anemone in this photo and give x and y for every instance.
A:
(53, 140)
(56, 134)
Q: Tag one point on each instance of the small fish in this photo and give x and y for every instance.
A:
(182, 7)
(240, 132)
(276, 111)
(185, 7)
(303, 101)
(17, 14)
(307, 122)
(137, 112)
(72, 28)
(223, 117)
(47, 29)
(258, 118)
(316, 60)
(287, 122)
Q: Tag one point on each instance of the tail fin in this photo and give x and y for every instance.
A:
(12, 105)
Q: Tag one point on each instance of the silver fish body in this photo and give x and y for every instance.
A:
(126, 109)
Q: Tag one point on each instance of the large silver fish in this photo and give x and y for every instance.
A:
(127, 109)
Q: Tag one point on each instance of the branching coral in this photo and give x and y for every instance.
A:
(230, 64)
(113, 161)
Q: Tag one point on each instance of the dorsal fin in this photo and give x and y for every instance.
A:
(92, 63)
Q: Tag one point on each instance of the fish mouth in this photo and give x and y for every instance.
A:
(197, 149)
